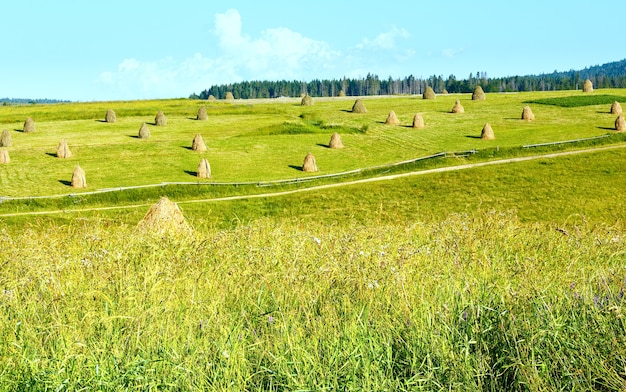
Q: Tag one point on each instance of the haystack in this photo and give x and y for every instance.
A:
(202, 114)
(78, 178)
(359, 107)
(487, 133)
(63, 150)
(306, 101)
(620, 123)
(110, 116)
(478, 94)
(392, 119)
(309, 164)
(164, 217)
(527, 114)
(341, 93)
(458, 108)
(29, 125)
(5, 139)
(198, 143)
(144, 131)
(4, 156)
(616, 108)
(587, 86)
(444, 92)
(429, 93)
(229, 96)
(211, 97)
(159, 119)
(418, 121)
(335, 141)
(204, 169)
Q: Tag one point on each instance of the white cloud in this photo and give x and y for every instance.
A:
(385, 40)
(451, 53)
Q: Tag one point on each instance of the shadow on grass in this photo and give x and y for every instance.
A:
(296, 167)
(323, 145)
(52, 154)
(65, 182)
(192, 173)
(607, 128)
(473, 137)
(187, 148)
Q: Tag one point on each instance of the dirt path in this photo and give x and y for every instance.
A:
(327, 186)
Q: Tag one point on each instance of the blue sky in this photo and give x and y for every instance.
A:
(133, 49)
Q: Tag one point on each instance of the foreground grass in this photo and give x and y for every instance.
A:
(468, 303)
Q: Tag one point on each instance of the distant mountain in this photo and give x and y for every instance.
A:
(614, 69)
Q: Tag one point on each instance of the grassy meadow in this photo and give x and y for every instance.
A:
(499, 277)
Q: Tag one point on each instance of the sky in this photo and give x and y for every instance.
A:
(93, 50)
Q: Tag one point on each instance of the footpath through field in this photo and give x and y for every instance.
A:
(327, 186)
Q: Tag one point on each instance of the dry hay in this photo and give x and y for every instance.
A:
(444, 92)
(229, 96)
(29, 125)
(306, 101)
(110, 116)
(487, 133)
(4, 156)
(527, 114)
(159, 119)
(620, 123)
(309, 164)
(5, 139)
(418, 121)
(478, 94)
(202, 114)
(587, 86)
(198, 143)
(211, 97)
(63, 150)
(164, 217)
(429, 93)
(458, 108)
(616, 108)
(392, 119)
(144, 131)
(341, 93)
(335, 141)
(78, 178)
(204, 169)
(359, 107)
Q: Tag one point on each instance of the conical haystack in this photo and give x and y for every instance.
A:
(78, 178)
(29, 125)
(335, 141)
(392, 119)
(620, 123)
(429, 93)
(5, 139)
(587, 86)
(487, 133)
(359, 107)
(309, 164)
(229, 96)
(341, 93)
(110, 116)
(204, 169)
(527, 114)
(418, 121)
(458, 108)
(63, 150)
(4, 156)
(444, 92)
(144, 131)
(160, 119)
(202, 114)
(198, 143)
(307, 100)
(616, 108)
(164, 217)
(478, 94)
(211, 97)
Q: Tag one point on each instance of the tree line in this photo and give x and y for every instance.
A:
(610, 75)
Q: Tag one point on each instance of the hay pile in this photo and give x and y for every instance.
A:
(527, 114)
(487, 133)
(587, 86)
(29, 125)
(620, 123)
(478, 94)
(4, 156)
(309, 164)
(144, 131)
(418, 121)
(616, 108)
(78, 178)
(5, 139)
(202, 114)
(444, 92)
(392, 119)
(159, 119)
(359, 107)
(306, 101)
(335, 141)
(110, 116)
(204, 169)
(229, 96)
(341, 93)
(458, 108)
(164, 217)
(211, 97)
(198, 143)
(429, 93)
(63, 150)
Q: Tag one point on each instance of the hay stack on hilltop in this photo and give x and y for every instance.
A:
(29, 125)
(429, 93)
(5, 139)
(198, 143)
(202, 114)
(359, 107)
(4, 156)
(309, 164)
(229, 96)
(159, 119)
(78, 178)
(204, 169)
(587, 86)
(458, 108)
(418, 121)
(527, 114)
(392, 119)
(306, 101)
(335, 141)
(616, 108)
(620, 123)
(487, 133)
(211, 98)
(164, 217)
(478, 94)
(110, 116)
(144, 131)
(63, 150)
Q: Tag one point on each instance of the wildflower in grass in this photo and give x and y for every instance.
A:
(226, 354)
(317, 240)
(270, 319)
